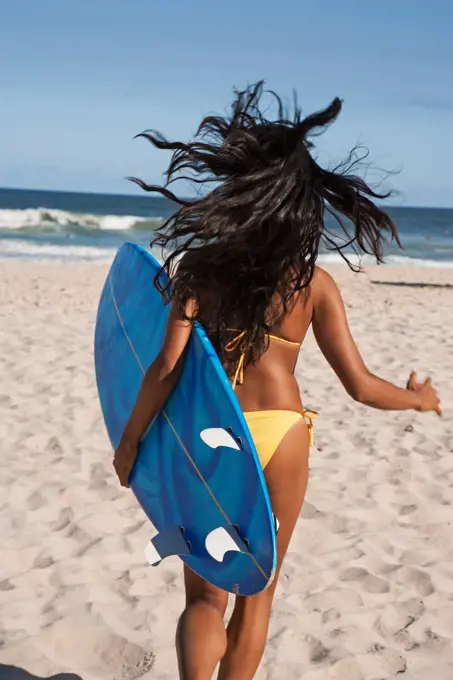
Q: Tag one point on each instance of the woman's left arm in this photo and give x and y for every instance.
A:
(159, 382)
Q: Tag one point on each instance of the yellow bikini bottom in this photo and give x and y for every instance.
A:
(269, 427)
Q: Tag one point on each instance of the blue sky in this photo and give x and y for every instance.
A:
(79, 78)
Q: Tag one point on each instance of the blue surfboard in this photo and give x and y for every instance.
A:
(197, 476)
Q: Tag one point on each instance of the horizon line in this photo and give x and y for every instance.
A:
(144, 197)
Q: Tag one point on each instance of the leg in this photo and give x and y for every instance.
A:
(201, 637)
(286, 478)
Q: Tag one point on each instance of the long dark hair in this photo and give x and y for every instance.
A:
(256, 234)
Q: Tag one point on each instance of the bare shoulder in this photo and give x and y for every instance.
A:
(323, 284)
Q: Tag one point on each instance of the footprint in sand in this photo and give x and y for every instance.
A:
(105, 654)
(343, 599)
(413, 607)
(391, 662)
(341, 525)
(35, 501)
(54, 446)
(97, 472)
(407, 509)
(43, 561)
(346, 668)
(419, 579)
(316, 650)
(393, 621)
(333, 456)
(418, 558)
(369, 582)
(330, 615)
(360, 442)
(65, 517)
(337, 524)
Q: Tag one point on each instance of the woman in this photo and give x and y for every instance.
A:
(243, 262)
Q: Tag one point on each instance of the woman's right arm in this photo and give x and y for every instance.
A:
(334, 338)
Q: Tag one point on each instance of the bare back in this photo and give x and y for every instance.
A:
(270, 384)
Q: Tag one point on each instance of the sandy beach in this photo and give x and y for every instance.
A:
(366, 592)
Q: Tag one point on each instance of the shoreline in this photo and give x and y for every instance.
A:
(335, 263)
(103, 257)
(373, 273)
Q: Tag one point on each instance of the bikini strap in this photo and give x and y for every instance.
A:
(309, 415)
(239, 375)
(230, 347)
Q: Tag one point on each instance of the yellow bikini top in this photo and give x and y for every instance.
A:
(234, 343)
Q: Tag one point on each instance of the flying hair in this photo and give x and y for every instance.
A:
(255, 235)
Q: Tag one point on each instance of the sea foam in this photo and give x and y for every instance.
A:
(48, 218)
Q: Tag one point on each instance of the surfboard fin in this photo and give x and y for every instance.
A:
(166, 543)
(222, 540)
(216, 437)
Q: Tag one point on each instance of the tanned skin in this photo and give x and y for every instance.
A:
(202, 640)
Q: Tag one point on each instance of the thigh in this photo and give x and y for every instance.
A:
(286, 478)
(198, 589)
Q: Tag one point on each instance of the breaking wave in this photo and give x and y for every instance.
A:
(45, 219)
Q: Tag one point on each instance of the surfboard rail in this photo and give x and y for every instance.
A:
(197, 476)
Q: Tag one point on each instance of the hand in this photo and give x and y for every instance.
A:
(123, 461)
(429, 401)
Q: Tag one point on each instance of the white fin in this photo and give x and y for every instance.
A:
(276, 524)
(151, 554)
(217, 436)
(219, 542)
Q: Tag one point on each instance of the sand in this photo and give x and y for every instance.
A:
(366, 591)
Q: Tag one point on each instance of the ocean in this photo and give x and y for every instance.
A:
(75, 227)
